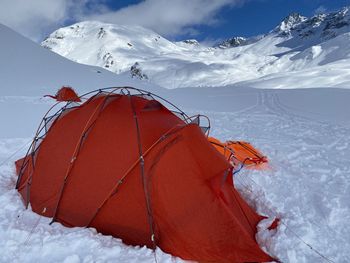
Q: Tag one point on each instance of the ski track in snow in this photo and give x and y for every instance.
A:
(307, 187)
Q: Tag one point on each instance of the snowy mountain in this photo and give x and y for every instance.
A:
(30, 70)
(27, 69)
(317, 28)
(297, 46)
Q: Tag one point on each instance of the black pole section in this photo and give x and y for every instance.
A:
(143, 177)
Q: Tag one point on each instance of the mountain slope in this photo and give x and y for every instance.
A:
(28, 69)
(297, 44)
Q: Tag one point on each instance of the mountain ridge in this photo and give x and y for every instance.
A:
(296, 44)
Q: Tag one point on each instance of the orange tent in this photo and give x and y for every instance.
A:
(128, 166)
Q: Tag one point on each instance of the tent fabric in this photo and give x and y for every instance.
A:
(240, 153)
(65, 94)
(129, 167)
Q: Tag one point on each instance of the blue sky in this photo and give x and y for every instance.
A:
(250, 18)
(258, 17)
(205, 20)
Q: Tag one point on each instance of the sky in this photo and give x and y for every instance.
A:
(204, 20)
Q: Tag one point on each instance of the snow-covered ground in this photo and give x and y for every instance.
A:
(304, 132)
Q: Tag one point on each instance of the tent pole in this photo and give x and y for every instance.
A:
(115, 188)
(143, 177)
(87, 127)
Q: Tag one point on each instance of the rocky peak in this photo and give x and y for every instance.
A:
(290, 22)
(233, 42)
(321, 26)
(191, 42)
(337, 20)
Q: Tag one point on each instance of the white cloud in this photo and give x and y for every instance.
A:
(31, 18)
(166, 17)
(37, 18)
